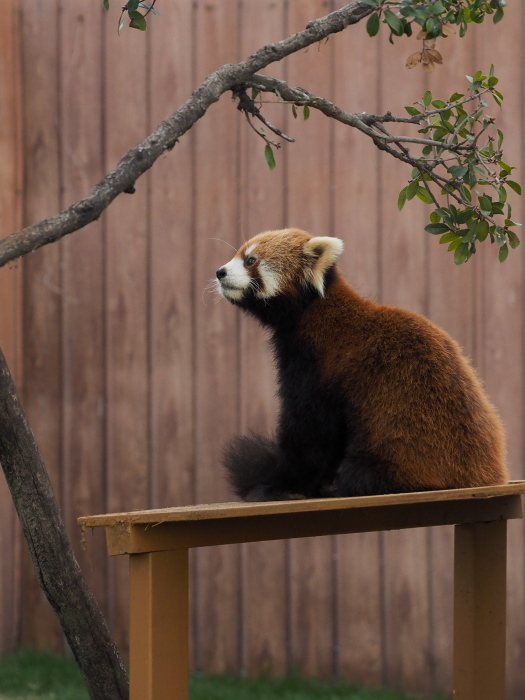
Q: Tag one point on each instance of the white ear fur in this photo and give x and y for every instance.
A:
(326, 250)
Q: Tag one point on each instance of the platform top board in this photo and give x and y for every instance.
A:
(216, 511)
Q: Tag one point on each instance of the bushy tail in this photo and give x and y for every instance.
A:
(252, 463)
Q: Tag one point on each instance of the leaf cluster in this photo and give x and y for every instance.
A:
(433, 16)
(464, 158)
(137, 19)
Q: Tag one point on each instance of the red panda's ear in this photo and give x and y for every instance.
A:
(326, 250)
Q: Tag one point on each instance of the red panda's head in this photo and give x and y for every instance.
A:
(278, 263)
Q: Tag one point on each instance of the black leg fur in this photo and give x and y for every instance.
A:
(254, 465)
(363, 474)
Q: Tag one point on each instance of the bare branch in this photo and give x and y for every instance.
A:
(139, 159)
(248, 106)
(367, 123)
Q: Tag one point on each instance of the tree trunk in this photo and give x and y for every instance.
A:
(57, 569)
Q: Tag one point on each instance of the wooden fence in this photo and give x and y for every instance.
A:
(134, 376)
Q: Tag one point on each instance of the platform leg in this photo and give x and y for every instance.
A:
(159, 625)
(480, 564)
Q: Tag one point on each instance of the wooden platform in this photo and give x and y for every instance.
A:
(158, 542)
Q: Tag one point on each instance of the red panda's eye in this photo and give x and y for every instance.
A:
(250, 261)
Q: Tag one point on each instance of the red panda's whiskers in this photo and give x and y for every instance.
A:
(220, 239)
(212, 288)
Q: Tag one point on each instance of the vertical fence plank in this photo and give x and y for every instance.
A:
(42, 280)
(171, 268)
(501, 294)
(83, 377)
(451, 305)
(356, 220)
(265, 612)
(171, 272)
(308, 207)
(403, 273)
(126, 301)
(216, 153)
(10, 293)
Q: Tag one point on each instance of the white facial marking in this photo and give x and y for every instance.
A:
(250, 249)
(270, 280)
(236, 280)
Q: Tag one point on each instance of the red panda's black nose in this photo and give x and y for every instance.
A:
(221, 272)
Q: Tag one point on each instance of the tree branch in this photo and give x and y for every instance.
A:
(139, 159)
(371, 125)
(366, 123)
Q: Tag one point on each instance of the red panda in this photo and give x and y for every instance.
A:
(373, 399)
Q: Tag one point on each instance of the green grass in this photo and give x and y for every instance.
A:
(31, 675)
(230, 688)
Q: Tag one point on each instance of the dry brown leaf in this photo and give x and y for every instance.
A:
(436, 56)
(447, 29)
(413, 60)
(429, 43)
(422, 34)
(427, 61)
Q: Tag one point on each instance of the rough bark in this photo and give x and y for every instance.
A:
(139, 159)
(53, 558)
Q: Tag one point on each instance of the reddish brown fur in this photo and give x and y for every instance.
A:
(460, 440)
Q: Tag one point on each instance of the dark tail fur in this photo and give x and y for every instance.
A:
(252, 464)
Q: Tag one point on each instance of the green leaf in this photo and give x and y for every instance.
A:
(503, 252)
(482, 230)
(393, 21)
(372, 25)
(448, 237)
(432, 27)
(138, 21)
(436, 229)
(106, 4)
(435, 217)
(424, 196)
(412, 111)
(402, 198)
(461, 253)
(268, 154)
(306, 112)
(498, 97)
(132, 5)
(513, 239)
(294, 111)
(498, 15)
(514, 186)
(427, 98)
(457, 170)
(485, 204)
(411, 190)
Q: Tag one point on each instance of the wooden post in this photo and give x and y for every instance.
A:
(159, 656)
(479, 611)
